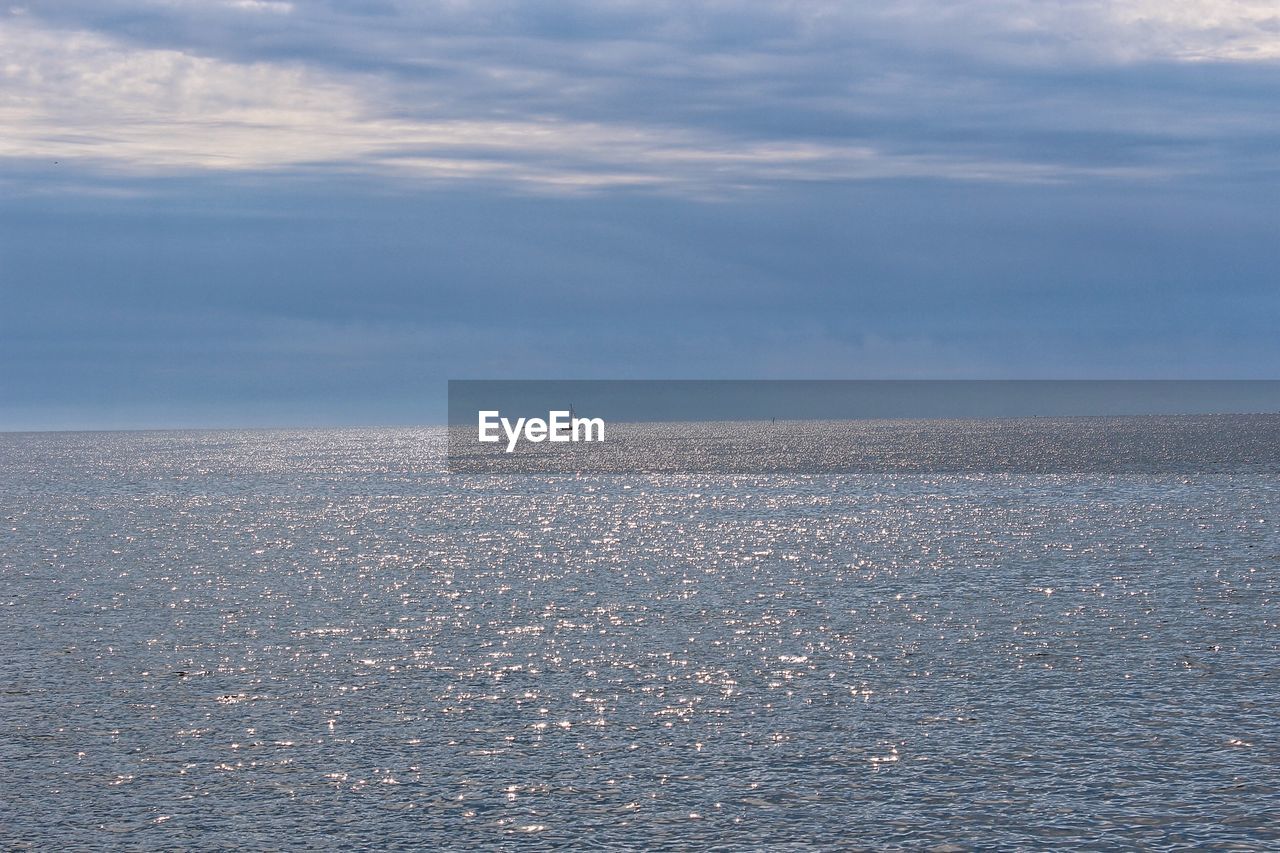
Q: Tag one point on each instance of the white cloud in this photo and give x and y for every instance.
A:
(271, 6)
(80, 95)
(1197, 30)
(1055, 31)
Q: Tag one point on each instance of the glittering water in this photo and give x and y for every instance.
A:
(265, 639)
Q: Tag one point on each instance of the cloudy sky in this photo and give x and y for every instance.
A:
(244, 212)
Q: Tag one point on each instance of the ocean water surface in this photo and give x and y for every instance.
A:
(321, 639)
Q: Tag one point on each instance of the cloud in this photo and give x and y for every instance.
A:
(385, 32)
(699, 99)
(82, 98)
(1195, 30)
(1054, 32)
(270, 6)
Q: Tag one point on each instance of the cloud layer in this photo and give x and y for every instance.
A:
(316, 211)
(701, 98)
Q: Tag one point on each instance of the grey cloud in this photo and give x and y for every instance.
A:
(229, 212)
(1012, 90)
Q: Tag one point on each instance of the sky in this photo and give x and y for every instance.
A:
(268, 213)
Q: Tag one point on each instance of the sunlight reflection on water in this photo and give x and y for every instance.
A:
(318, 638)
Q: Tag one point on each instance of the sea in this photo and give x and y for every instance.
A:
(322, 639)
